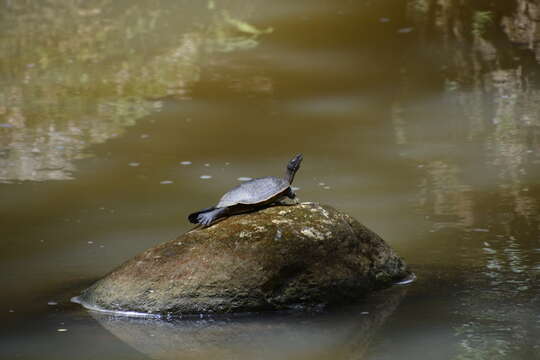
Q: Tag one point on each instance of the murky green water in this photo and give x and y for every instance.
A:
(420, 118)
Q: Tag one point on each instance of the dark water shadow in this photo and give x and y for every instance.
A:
(340, 333)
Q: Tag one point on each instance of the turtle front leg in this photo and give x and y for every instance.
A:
(289, 198)
(290, 193)
(287, 201)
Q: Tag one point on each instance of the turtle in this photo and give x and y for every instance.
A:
(250, 195)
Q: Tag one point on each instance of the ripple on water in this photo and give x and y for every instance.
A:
(185, 162)
(405, 30)
(205, 177)
(244, 178)
(166, 182)
(90, 306)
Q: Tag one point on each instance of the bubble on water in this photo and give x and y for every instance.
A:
(166, 182)
(185, 162)
(11, 310)
(90, 242)
(52, 303)
(295, 188)
(326, 187)
(145, 136)
(205, 176)
(62, 330)
(227, 163)
(384, 20)
(207, 165)
(244, 178)
(321, 184)
(134, 164)
(364, 313)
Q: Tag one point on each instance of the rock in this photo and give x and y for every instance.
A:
(277, 258)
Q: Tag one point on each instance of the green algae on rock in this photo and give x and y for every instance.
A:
(277, 258)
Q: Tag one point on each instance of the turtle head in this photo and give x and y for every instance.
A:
(292, 167)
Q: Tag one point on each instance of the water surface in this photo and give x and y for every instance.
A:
(419, 118)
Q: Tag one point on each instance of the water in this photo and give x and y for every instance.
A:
(419, 120)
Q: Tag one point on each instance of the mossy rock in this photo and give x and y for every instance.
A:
(277, 258)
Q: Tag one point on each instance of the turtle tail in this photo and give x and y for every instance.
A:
(193, 217)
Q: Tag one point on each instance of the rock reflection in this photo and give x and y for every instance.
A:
(339, 335)
(76, 74)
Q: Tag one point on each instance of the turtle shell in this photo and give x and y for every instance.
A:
(254, 192)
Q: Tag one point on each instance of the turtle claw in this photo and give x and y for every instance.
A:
(205, 219)
(287, 201)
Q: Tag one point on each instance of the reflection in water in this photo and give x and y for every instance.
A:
(490, 83)
(88, 71)
(342, 335)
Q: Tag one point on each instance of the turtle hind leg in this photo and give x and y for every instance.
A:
(206, 218)
(193, 216)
